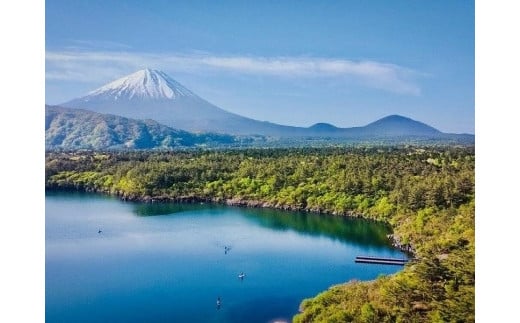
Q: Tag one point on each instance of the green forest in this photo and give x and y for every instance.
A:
(426, 194)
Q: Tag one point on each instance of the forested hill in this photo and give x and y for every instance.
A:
(67, 128)
(425, 194)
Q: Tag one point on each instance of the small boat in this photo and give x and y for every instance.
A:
(241, 275)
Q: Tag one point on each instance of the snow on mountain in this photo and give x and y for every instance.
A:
(143, 84)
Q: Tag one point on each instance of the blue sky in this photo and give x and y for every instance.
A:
(290, 62)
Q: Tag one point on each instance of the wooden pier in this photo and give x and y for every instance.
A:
(381, 261)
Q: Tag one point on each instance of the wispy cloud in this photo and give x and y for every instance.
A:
(84, 44)
(89, 66)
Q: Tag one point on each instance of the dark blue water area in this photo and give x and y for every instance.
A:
(170, 262)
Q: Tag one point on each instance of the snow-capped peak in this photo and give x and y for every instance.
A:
(143, 84)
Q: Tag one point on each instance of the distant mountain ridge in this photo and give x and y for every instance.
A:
(73, 129)
(396, 125)
(323, 127)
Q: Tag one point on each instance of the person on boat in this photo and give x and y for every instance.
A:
(99, 231)
(241, 275)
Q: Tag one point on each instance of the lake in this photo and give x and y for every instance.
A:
(112, 261)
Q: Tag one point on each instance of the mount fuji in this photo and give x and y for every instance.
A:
(152, 94)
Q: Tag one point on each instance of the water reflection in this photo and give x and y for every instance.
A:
(153, 209)
(354, 231)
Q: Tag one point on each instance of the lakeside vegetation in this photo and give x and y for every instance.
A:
(425, 194)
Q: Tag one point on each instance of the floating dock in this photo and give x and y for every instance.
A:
(381, 261)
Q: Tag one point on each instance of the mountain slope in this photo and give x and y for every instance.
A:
(151, 94)
(75, 129)
(396, 125)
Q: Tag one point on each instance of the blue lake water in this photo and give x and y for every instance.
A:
(170, 262)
